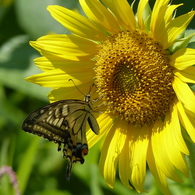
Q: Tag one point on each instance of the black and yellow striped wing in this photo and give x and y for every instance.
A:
(64, 122)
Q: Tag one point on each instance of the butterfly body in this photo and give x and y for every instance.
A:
(64, 122)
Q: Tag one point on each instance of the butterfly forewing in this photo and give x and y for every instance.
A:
(47, 123)
(64, 122)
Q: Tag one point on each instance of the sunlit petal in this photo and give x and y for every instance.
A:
(111, 149)
(183, 58)
(100, 15)
(126, 18)
(76, 23)
(184, 94)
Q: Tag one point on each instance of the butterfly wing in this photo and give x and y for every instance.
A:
(79, 113)
(64, 122)
(93, 124)
(48, 122)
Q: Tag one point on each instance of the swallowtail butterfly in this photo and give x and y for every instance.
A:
(64, 122)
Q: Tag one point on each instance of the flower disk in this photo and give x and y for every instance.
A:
(134, 77)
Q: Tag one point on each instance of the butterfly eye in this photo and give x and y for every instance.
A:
(88, 96)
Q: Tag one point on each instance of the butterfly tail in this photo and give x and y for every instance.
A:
(68, 170)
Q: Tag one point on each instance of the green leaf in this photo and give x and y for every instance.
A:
(16, 63)
(26, 163)
(191, 160)
(52, 192)
(94, 181)
(187, 41)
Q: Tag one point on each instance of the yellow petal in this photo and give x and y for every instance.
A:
(157, 24)
(186, 120)
(76, 23)
(138, 150)
(161, 156)
(100, 15)
(69, 92)
(126, 17)
(125, 170)
(169, 12)
(176, 157)
(44, 64)
(187, 75)
(184, 94)
(177, 26)
(183, 58)
(58, 78)
(140, 11)
(68, 66)
(156, 171)
(65, 45)
(174, 143)
(111, 150)
(132, 160)
(175, 136)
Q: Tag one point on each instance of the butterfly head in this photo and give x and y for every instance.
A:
(87, 98)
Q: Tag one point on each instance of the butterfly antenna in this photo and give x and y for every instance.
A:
(76, 86)
(91, 87)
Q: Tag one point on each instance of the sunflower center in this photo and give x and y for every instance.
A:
(134, 77)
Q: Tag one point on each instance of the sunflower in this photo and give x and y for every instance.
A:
(141, 68)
